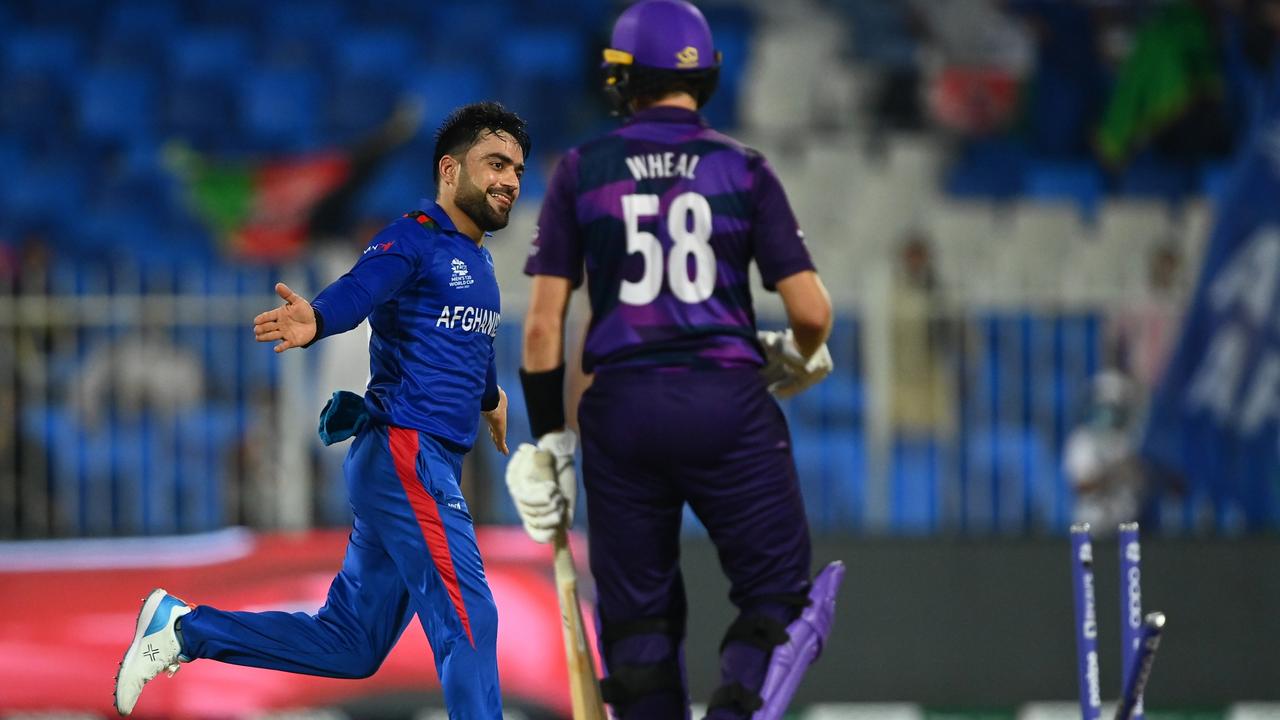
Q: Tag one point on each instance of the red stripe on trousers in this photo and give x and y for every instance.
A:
(404, 453)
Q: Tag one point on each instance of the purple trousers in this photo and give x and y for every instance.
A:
(653, 441)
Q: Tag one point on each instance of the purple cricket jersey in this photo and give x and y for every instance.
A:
(667, 215)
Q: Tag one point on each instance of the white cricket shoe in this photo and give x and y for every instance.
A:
(155, 647)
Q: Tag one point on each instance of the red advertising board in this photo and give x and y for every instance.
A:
(67, 612)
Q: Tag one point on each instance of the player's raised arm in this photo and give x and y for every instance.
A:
(293, 324)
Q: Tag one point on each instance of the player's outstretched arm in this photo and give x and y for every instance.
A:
(292, 324)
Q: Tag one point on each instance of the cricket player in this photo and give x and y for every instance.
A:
(426, 283)
(666, 215)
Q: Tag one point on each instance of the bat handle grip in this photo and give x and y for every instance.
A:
(563, 556)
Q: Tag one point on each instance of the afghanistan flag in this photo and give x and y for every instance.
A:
(259, 210)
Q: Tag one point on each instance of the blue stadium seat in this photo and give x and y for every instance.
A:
(154, 19)
(203, 54)
(357, 104)
(987, 168)
(590, 18)
(836, 402)
(555, 52)
(64, 13)
(916, 472)
(150, 188)
(116, 231)
(396, 189)
(370, 53)
(240, 15)
(116, 104)
(36, 107)
(317, 19)
(1076, 182)
(13, 157)
(201, 112)
(1150, 177)
(470, 25)
(280, 109)
(832, 471)
(204, 68)
(445, 87)
(35, 74)
(881, 31)
(47, 189)
(413, 15)
(1024, 479)
(137, 52)
(55, 52)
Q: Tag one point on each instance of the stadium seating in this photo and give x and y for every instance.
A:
(116, 105)
(91, 91)
(1075, 182)
(280, 110)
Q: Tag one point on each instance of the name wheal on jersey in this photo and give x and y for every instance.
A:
(470, 319)
(662, 165)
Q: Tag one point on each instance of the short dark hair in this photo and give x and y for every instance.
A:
(465, 126)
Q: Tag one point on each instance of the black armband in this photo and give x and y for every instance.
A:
(319, 328)
(544, 397)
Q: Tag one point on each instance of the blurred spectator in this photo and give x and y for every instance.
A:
(268, 210)
(140, 374)
(922, 395)
(1099, 458)
(1169, 91)
(24, 384)
(1142, 334)
(977, 54)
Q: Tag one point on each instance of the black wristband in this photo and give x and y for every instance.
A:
(544, 398)
(488, 403)
(319, 327)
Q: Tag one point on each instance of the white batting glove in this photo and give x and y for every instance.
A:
(543, 484)
(786, 372)
(561, 446)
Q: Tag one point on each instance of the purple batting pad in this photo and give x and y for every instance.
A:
(808, 634)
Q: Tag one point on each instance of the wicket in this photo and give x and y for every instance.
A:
(1140, 637)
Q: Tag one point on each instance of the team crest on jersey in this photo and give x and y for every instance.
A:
(461, 275)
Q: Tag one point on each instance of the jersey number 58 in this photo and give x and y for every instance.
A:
(689, 226)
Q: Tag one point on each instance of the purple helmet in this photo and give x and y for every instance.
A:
(656, 42)
(664, 34)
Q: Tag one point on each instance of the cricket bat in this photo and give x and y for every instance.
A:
(584, 689)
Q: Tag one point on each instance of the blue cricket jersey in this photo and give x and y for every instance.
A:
(432, 301)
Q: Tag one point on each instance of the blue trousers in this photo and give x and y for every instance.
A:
(412, 550)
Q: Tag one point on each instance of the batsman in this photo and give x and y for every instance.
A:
(667, 215)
